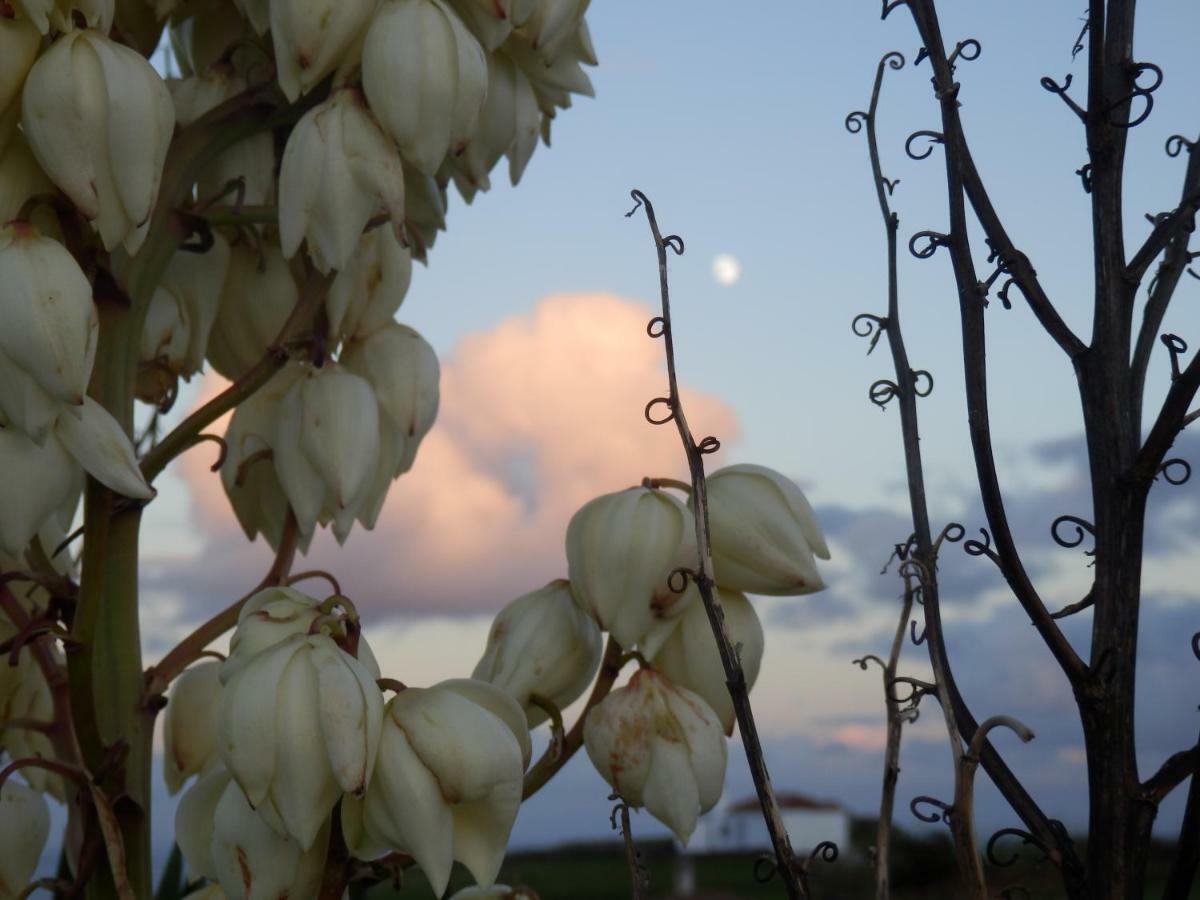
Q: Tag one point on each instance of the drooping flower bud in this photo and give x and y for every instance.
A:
(367, 292)
(491, 21)
(424, 210)
(24, 828)
(50, 324)
(31, 700)
(339, 169)
(424, 46)
(19, 44)
(447, 784)
(36, 482)
(181, 314)
(621, 550)
(190, 724)
(211, 33)
(268, 617)
(660, 746)
(222, 837)
(20, 175)
(312, 36)
(258, 296)
(553, 84)
(300, 725)
(99, 120)
(327, 447)
(542, 643)
(689, 657)
(252, 160)
(552, 24)
(403, 371)
(764, 533)
(509, 124)
(247, 472)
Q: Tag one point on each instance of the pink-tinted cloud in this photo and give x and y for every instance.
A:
(538, 415)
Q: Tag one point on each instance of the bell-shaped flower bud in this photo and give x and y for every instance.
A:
(764, 533)
(251, 160)
(164, 347)
(258, 296)
(99, 120)
(36, 482)
(621, 551)
(365, 294)
(300, 725)
(252, 861)
(339, 169)
(50, 324)
(660, 746)
(552, 24)
(509, 124)
(248, 471)
(542, 643)
(31, 700)
(403, 371)
(447, 783)
(311, 38)
(24, 828)
(689, 657)
(424, 46)
(268, 617)
(100, 445)
(196, 280)
(327, 447)
(223, 838)
(554, 83)
(180, 318)
(190, 724)
(492, 21)
(212, 32)
(424, 211)
(19, 45)
(20, 175)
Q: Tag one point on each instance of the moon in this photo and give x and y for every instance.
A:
(726, 269)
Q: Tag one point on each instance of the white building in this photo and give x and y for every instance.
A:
(739, 827)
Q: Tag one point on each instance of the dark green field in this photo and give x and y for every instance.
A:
(922, 870)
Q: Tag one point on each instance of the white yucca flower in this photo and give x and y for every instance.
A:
(424, 46)
(99, 120)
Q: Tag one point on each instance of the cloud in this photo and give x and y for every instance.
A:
(538, 415)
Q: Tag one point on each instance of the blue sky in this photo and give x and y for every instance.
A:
(730, 117)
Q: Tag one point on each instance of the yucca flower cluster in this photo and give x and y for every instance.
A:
(239, 186)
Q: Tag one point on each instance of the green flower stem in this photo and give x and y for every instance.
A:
(221, 216)
(105, 672)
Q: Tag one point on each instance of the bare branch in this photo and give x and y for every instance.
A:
(1172, 418)
(790, 870)
(1172, 773)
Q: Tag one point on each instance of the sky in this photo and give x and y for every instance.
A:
(730, 117)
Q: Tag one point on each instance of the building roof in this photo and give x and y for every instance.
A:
(786, 801)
